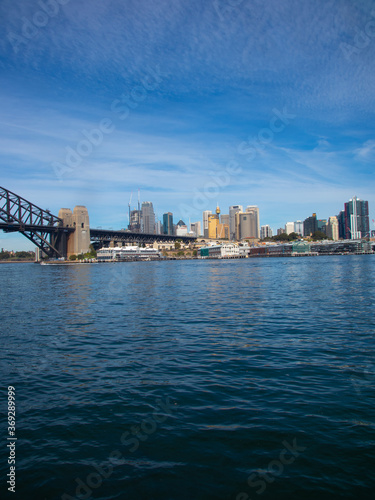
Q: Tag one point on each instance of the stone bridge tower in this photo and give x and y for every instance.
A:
(79, 241)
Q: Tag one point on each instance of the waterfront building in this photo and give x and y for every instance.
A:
(298, 227)
(206, 213)
(265, 232)
(168, 223)
(148, 218)
(332, 228)
(225, 251)
(357, 223)
(289, 227)
(232, 220)
(113, 254)
(310, 225)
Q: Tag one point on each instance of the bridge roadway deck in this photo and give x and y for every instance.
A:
(101, 235)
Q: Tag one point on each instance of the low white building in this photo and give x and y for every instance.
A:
(226, 251)
(116, 254)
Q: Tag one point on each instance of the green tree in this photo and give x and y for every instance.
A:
(177, 245)
(4, 255)
(319, 235)
(73, 257)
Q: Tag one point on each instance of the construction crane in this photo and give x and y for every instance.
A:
(131, 195)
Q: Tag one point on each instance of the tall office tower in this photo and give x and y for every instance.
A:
(135, 221)
(265, 232)
(253, 210)
(281, 230)
(148, 218)
(357, 223)
(322, 224)
(332, 228)
(224, 219)
(341, 222)
(195, 227)
(168, 223)
(247, 224)
(217, 230)
(298, 227)
(206, 213)
(158, 227)
(289, 227)
(310, 225)
(232, 219)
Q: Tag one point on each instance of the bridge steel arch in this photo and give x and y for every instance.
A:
(38, 225)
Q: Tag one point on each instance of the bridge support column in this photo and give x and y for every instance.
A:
(79, 241)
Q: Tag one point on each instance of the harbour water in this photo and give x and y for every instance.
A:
(238, 379)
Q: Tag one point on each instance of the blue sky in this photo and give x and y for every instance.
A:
(267, 103)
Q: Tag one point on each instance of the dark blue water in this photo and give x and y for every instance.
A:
(247, 379)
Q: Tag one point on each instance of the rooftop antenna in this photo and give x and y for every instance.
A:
(139, 199)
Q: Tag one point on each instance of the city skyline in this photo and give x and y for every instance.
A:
(195, 104)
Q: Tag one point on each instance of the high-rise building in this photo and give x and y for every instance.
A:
(289, 227)
(217, 230)
(322, 224)
(232, 219)
(265, 232)
(298, 227)
(148, 218)
(247, 224)
(253, 210)
(310, 225)
(357, 223)
(206, 213)
(224, 219)
(195, 227)
(332, 228)
(135, 221)
(168, 223)
(341, 223)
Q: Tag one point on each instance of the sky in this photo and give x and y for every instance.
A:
(195, 103)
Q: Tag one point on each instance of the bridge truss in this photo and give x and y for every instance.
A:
(38, 225)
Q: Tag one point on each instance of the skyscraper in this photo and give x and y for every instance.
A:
(135, 221)
(206, 213)
(265, 232)
(357, 223)
(148, 218)
(247, 223)
(310, 225)
(332, 228)
(168, 223)
(298, 227)
(253, 210)
(195, 227)
(232, 219)
(289, 227)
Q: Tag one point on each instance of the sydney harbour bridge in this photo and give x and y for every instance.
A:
(69, 232)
